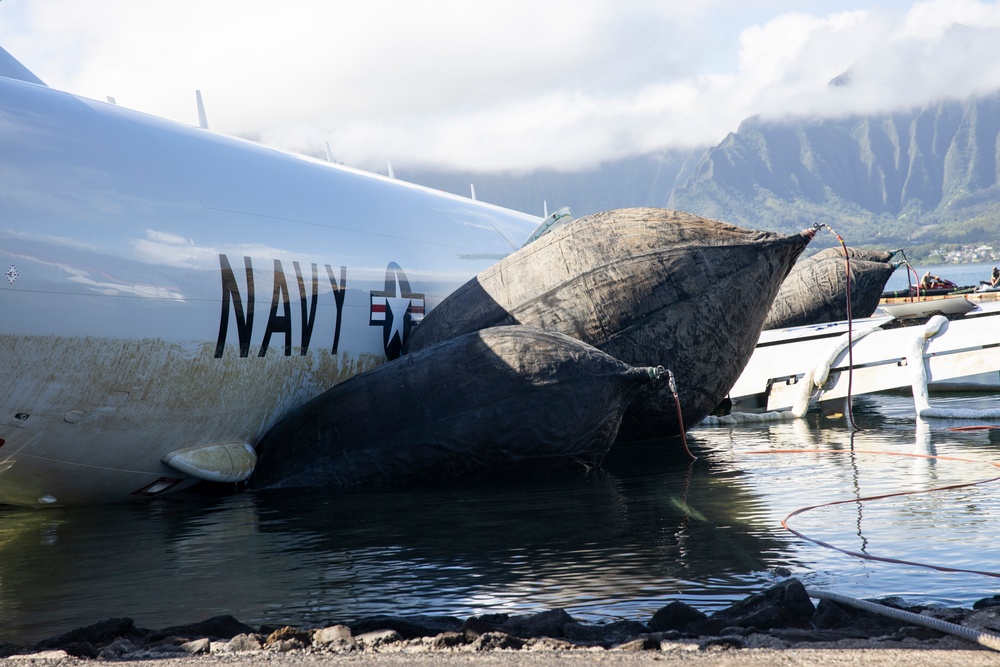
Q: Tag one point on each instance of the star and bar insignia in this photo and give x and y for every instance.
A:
(396, 309)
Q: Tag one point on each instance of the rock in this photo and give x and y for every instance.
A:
(640, 644)
(98, 633)
(675, 616)
(480, 625)
(492, 641)
(605, 635)
(410, 627)
(288, 633)
(55, 655)
(829, 615)
(9, 650)
(722, 643)
(710, 626)
(80, 650)
(499, 619)
(984, 619)
(118, 649)
(766, 616)
(897, 602)
(783, 605)
(583, 633)
(171, 645)
(286, 645)
(544, 624)
(549, 644)
(916, 632)
(956, 615)
(217, 627)
(447, 640)
(987, 602)
(863, 620)
(800, 636)
(197, 647)
(244, 643)
(335, 634)
(378, 638)
(618, 631)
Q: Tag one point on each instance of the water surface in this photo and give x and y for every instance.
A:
(616, 542)
(963, 275)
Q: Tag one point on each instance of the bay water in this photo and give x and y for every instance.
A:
(615, 542)
(964, 275)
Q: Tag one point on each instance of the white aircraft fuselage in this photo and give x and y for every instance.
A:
(168, 293)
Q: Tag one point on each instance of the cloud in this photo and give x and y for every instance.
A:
(943, 49)
(512, 85)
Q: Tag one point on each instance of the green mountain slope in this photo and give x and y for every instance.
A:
(920, 179)
(927, 176)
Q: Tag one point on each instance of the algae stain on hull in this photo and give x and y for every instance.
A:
(152, 397)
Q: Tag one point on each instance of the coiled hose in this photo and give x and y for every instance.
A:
(981, 637)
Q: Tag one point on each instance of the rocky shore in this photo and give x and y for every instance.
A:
(782, 617)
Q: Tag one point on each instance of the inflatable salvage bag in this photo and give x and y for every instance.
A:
(815, 290)
(486, 403)
(644, 285)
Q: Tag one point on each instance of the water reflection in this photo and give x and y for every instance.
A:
(893, 453)
(617, 541)
(609, 543)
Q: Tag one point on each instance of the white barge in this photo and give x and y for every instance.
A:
(955, 340)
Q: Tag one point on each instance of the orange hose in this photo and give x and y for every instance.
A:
(897, 561)
(680, 416)
(972, 428)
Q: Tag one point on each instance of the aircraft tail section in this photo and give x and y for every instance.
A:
(11, 68)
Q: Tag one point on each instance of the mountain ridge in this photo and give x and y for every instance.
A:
(922, 179)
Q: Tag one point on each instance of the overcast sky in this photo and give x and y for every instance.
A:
(511, 85)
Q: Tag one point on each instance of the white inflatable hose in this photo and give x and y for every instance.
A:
(915, 359)
(981, 637)
(747, 418)
(818, 375)
(813, 378)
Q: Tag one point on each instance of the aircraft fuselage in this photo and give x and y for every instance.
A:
(167, 288)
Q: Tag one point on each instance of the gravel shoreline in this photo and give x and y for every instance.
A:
(779, 621)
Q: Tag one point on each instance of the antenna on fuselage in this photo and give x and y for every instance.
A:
(329, 153)
(111, 100)
(472, 187)
(545, 209)
(392, 174)
(202, 117)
